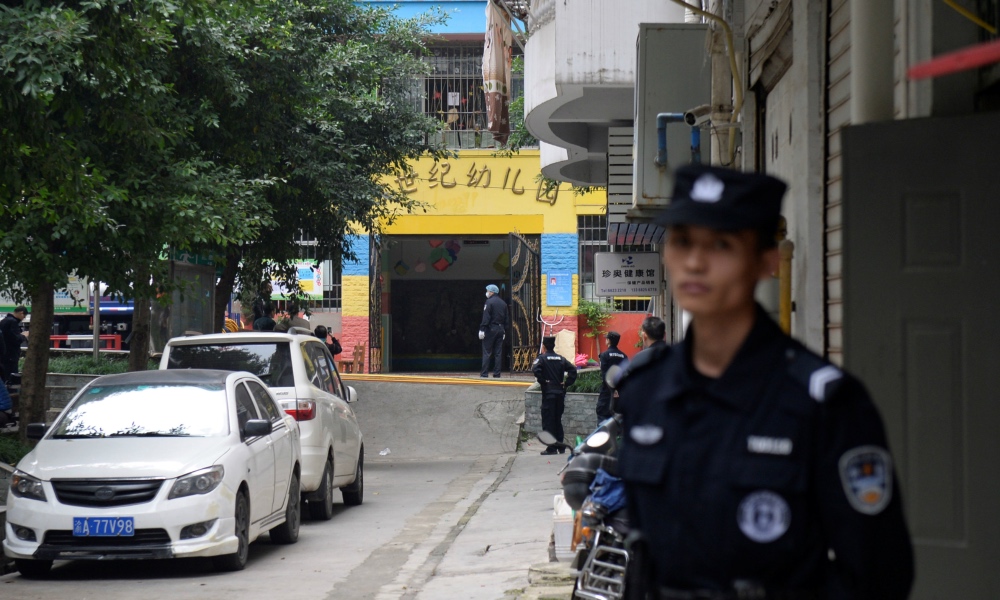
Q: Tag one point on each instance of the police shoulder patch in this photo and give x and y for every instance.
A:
(646, 435)
(866, 474)
(820, 378)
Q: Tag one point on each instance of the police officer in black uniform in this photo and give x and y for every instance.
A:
(491, 330)
(754, 468)
(554, 373)
(609, 358)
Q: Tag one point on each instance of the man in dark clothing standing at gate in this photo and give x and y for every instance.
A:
(492, 331)
(550, 370)
(13, 337)
(609, 358)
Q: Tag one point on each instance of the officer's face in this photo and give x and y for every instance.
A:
(712, 272)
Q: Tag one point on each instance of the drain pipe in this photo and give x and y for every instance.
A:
(662, 120)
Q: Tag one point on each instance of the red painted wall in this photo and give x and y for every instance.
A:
(627, 324)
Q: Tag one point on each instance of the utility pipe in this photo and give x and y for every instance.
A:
(871, 61)
(695, 146)
(733, 67)
(97, 320)
(662, 120)
(786, 251)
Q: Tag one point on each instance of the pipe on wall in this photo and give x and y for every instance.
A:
(871, 61)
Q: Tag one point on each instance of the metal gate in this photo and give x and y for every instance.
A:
(525, 301)
(374, 304)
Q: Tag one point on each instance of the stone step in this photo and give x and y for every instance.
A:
(551, 573)
(564, 592)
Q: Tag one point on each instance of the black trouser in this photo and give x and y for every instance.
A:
(553, 403)
(10, 366)
(604, 402)
(492, 348)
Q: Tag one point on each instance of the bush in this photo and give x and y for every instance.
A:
(11, 449)
(589, 382)
(84, 364)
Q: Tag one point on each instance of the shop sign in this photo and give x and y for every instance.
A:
(479, 175)
(627, 273)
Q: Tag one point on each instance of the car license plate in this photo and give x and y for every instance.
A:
(103, 526)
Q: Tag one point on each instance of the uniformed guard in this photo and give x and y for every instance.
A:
(754, 467)
(554, 373)
(492, 331)
(609, 358)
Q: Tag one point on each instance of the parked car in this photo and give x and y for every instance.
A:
(303, 377)
(157, 464)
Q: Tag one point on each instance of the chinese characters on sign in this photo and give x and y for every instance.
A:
(477, 176)
(627, 273)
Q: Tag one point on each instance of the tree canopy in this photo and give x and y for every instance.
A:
(130, 126)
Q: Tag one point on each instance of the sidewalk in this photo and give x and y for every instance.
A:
(503, 551)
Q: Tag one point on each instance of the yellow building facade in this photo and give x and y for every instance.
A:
(415, 299)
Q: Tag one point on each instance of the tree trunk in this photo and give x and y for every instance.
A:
(138, 349)
(224, 288)
(32, 404)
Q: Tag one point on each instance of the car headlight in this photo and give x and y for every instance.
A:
(199, 482)
(26, 486)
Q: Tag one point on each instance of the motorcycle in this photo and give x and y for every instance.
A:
(593, 490)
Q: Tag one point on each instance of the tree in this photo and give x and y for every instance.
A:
(97, 174)
(596, 315)
(324, 110)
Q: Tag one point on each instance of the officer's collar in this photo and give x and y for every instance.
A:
(746, 376)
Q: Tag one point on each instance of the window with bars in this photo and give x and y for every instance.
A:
(332, 298)
(453, 93)
(592, 231)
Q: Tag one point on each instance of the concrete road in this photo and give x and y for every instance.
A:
(463, 521)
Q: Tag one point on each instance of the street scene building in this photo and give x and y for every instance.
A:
(890, 256)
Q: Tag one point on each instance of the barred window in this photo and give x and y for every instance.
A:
(331, 301)
(592, 231)
(453, 93)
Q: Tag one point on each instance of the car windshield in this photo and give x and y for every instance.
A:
(155, 410)
(271, 361)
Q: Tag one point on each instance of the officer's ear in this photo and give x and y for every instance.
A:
(769, 261)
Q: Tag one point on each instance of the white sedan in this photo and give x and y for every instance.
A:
(298, 369)
(157, 464)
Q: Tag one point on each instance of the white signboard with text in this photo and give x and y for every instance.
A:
(627, 273)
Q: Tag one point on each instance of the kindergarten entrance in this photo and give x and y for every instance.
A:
(436, 292)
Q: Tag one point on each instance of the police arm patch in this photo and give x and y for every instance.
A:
(866, 473)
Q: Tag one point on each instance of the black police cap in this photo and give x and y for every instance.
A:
(549, 341)
(723, 199)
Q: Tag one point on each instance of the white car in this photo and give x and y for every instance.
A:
(157, 464)
(301, 374)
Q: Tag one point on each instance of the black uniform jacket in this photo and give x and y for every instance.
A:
(551, 369)
(777, 472)
(608, 359)
(494, 313)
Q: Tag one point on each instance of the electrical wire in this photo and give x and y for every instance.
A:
(968, 14)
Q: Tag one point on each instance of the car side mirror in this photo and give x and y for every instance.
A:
(352, 394)
(36, 431)
(256, 428)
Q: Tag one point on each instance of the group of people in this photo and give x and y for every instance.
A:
(753, 467)
(12, 335)
(263, 320)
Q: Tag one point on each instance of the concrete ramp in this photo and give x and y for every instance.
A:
(430, 420)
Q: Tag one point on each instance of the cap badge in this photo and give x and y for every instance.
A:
(707, 188)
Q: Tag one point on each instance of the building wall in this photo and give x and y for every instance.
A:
(354, 315)
(478, 193)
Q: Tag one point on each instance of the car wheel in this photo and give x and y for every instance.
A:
(33, 569)
(321, 507)
(238, 560)
(288, 532)
(354, 494)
